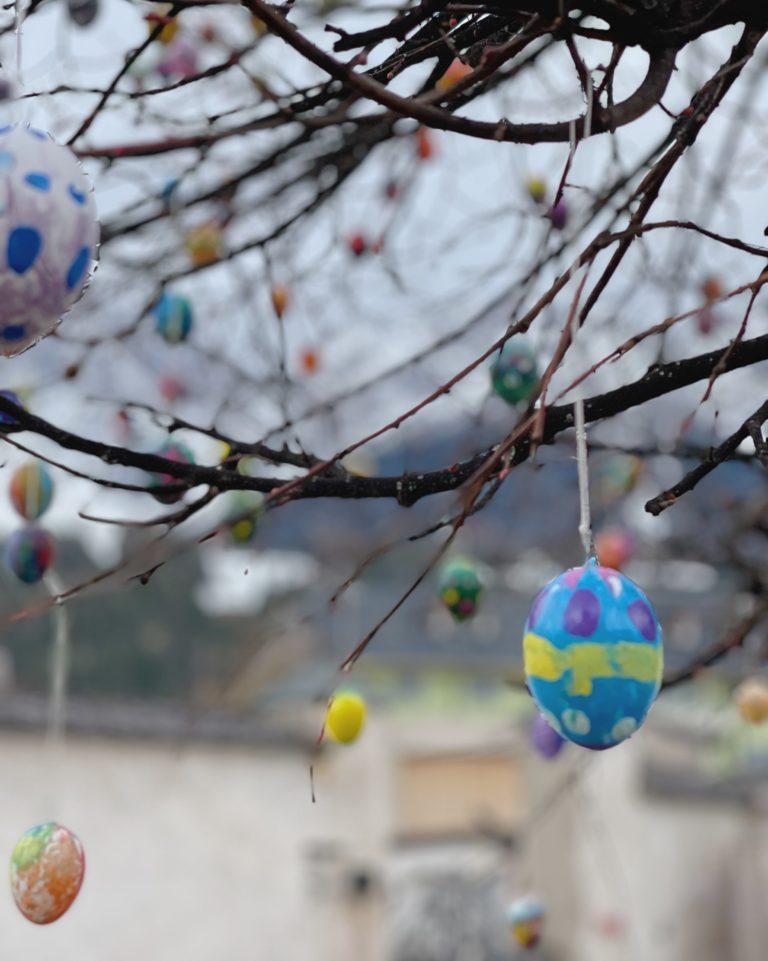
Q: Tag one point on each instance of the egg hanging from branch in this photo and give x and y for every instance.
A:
(345, 716)
(173, 318)
(545, 739)
(751, 698)
(460, 587)
(47, 868)
(593, 655)
(179, 453)
(526, 919)
(31, 490)
(245, 511)
(514, 371)
(48, 235)
(29, 553)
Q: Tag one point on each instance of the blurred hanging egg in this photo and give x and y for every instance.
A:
(171, 389)
(204, 244)
(47, 868)
(244, 514)
(712, 288)
(526, 918)
(31, 490)
(706, 319)
(514, 373)
(537, 189)
(614, 546)
(29, 553)
(593, 655)
(558, 215)
(345, 717)
(309, 360)
(751, 698)
(180, 61)
(83, 12)
(616, 476)
(545, 738)
(460, 587)
(173, 318)
(357, 244)
(48, 232)
(8, 420)
(425, 145)
(456, 71)
(281, 298)
(160, 15)
(258, 26)
(179, 453)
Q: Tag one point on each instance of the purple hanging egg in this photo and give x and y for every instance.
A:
(48, 235)
(545, 738)
(558, 215)
(29, 553)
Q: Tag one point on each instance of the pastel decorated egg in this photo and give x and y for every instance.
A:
(173, 318)
(425, 143)
(616, 476)
(8, 420)
(160, 15)
(171, 388)
(31, 490)
(180, 61)
(29, 553)
(48, 235)
(545, 738)
(558, 215)
(204, 244)
(176, 451)
(526, 918)
(706, 320)
(712, 288)
(614, 546)
(460, 587)
(593, 655)
(47, 868)
(245, 511)
(536, 188)
(345, 717)
(751, 698)
(83, 12)
(514, 373)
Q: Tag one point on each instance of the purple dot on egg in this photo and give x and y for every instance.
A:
(538, 603)
(582, 614)
(642, 617)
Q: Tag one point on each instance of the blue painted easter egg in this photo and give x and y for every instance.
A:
(514, 372)
(173, 318)
(593, 655)
(29, 553)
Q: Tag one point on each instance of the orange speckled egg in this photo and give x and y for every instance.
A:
(47, 868)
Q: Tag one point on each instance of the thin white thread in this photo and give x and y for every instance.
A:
(57, 688)
(582, 464)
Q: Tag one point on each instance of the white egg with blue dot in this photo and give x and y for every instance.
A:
(48, 234)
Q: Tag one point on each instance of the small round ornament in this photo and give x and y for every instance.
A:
(706, 320)
(593, 655)
(244, 514)
(309, 361)
(83, 12)
(425, 144)
(48, 235)
(751, 698)
(47, 868)
(179, 453)
(712, 288)
(536, 188)
(180, 61)
(281, 298)
(205, 244)
(171, 388)
(357, 244)
(460, 587)
(29, 553)
(616, 476)
(31, 490)
(514, 372)
(345, 717)
(614, 546)
(173, 318)
(545, 738)
(160, 15)
(8, 420)
(558, 215)
(456, 71)
(526, 918)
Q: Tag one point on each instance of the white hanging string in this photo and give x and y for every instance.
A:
(57, 692)
(17, 104)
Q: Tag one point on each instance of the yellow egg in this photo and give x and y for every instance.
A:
(345, 717)
(752, 700)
